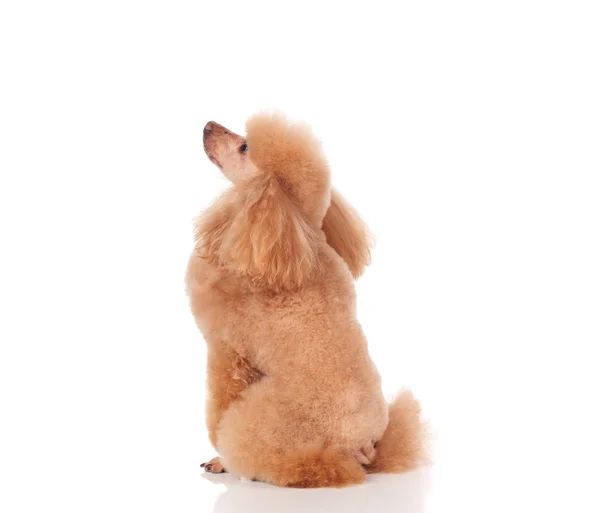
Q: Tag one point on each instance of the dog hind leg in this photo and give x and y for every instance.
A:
(260, 439)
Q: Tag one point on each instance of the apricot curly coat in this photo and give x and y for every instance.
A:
(294, 398)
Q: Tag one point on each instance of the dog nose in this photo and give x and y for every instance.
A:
(209, 127)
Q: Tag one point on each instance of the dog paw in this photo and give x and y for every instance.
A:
(215, 466)
(366, 454)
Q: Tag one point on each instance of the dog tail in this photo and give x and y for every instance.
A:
(315, 468)
(403, 445)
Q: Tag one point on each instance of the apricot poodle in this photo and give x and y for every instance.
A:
(293, 397)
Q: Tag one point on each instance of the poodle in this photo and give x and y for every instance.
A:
(293, 397)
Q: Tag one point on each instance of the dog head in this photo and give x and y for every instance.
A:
(229, 152)
(270, 224)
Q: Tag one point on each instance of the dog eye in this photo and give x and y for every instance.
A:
(244, 148)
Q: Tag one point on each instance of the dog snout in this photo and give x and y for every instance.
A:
(214, 128)
(209, 127)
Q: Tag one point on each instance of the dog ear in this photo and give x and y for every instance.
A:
(269, 239)
(348, 234)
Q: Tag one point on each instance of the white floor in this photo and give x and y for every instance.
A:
(460, 485)
(383, 493)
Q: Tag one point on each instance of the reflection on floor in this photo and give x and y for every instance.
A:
(383, 493)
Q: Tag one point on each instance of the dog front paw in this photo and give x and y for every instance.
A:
(215, 466)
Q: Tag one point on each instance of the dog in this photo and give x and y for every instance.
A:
(293, 397)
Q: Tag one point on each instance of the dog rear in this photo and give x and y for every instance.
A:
(401, 449)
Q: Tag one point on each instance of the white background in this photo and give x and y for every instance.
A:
(466, 133)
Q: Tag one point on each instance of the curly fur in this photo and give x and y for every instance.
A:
(294, 398)
(260, 234)
(347, 234)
